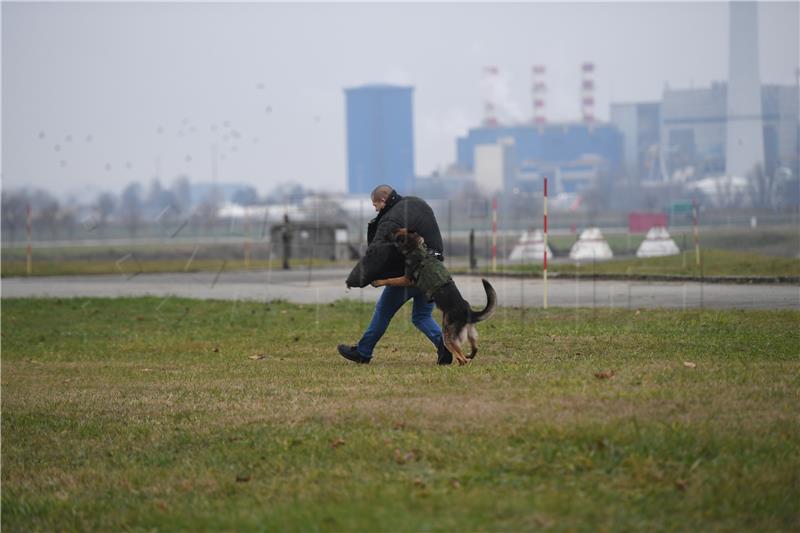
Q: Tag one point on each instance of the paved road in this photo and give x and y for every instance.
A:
(327, 285)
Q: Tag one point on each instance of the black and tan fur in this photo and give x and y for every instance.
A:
(458, 318)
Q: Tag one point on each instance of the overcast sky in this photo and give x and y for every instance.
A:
(95, 95)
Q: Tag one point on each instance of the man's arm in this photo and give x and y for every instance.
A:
(402, 281)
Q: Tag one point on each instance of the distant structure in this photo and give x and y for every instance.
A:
(725, 129)
(587, 93)
(539, 94)
(640, 124)
(490, 75)
(495, 166)
(744, 145)
(530, 248)
(657, 243)
(554, 148)
(695, 132)
(380, 137)
(591, 246)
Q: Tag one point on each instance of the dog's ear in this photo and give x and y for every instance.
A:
(400, 235)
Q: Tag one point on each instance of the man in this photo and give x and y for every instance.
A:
(383, 260)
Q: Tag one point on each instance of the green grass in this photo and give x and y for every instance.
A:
(714, 263)
(143, 414)
(782, 241)
(144, 258)
(148, 266)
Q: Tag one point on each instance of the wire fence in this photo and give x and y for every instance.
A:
(307, 254)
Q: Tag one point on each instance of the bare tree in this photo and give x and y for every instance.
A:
(45, 212)
(105, 206)
(182, 194)
(760, 186)
(14, 212)
(727, 192)
(68, 222)
(245, 196)
(208, 209)
(787, 189)
(131, 207)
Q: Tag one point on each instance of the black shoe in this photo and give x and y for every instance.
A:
(445, 357)
(351, 353)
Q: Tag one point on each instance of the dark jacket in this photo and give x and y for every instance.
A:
(382, 259)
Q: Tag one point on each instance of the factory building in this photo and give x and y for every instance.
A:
(572, 155)
(640, 125)
(380, 137)
(725, 129)
(547, 144)
(495, 166)
(695, 123)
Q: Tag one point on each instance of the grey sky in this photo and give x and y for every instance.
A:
(119, 71)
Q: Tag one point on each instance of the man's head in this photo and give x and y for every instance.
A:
(379, 196)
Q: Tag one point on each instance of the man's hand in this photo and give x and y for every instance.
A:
(378, 283)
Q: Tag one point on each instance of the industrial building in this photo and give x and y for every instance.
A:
(572, 154)
(640, 125)
(695, 124)
(725, 129)
(380, 137)
(549, 144)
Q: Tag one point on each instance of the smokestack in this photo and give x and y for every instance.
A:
(587, 93)
(744, 143)
(539, 92)
(489, 105)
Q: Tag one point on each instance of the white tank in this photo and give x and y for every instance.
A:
(657, 243)
(591, 246)
(530, 248)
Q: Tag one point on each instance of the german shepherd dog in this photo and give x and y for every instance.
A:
(423, 270)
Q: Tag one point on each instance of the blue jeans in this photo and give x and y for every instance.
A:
(389, 302)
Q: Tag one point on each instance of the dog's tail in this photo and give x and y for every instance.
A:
(491, 303)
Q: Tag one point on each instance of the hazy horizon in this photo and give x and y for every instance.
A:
(96, 95)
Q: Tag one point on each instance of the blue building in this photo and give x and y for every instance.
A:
(551, 144)
(380, 138)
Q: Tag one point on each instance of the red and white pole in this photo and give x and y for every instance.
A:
(29, 264)
(494, 234)
(544, 265)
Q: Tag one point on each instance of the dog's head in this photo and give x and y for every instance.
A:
(407, 241)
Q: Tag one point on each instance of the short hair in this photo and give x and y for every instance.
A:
(381, 192)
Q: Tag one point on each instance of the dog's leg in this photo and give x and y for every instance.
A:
(472, 335)
(455, 349)
(450, 337)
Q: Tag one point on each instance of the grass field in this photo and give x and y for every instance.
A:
(148, 414)
(129, 267)
(728, 252)
(145, 258)
(714, 263)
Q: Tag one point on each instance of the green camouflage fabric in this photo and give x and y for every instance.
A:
(426, 272)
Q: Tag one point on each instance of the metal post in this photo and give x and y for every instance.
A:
(29, 262)
(494, 234)
(696, 235)
(247, 238)
(473, 262)
(544, 264)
